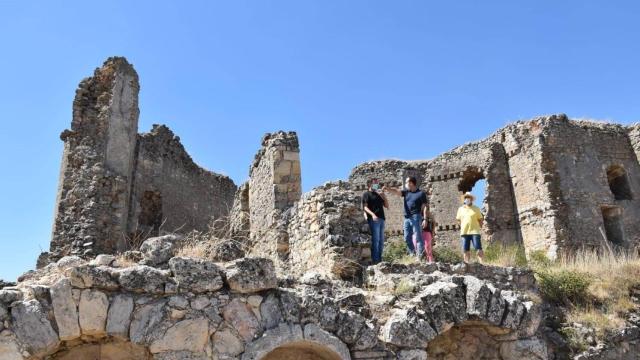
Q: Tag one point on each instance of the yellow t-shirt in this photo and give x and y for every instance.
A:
(469, 217)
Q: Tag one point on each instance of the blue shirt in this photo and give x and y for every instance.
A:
(413, 202)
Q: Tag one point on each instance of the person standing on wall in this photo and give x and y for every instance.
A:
(415, 214)
(470, 219)
(373, 203)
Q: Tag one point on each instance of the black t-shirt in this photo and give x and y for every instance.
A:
(413, 201)
(374, 202)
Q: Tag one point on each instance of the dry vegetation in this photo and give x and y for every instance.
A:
(213, 243)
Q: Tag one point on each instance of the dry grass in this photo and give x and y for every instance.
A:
(206, 244)
(504, 255)
(124, 262)
(610, 277)
(405, 286)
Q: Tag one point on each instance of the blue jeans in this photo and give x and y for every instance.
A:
(413, 225)
(468, 239)
(377, 239)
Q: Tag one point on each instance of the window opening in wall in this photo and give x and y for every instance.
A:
(613, 225)
(474, 182)
(150, 217)
(619, 182)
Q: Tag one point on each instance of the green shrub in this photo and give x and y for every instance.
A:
(394, 251)
(563, 286)
(575, 341)
(447, 254)
(538, 260)
(505, 255)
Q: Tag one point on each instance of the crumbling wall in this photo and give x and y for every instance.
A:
(239, 222)
(115, 184)
(327, 233)
(274, 180)
(455, 172)
(95, 176)
(582, 153)
(190, 196)
(548, 184)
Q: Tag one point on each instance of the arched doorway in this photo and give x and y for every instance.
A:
(302, 350)
(111, 350)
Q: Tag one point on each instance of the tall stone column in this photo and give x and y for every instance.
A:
(275, 182)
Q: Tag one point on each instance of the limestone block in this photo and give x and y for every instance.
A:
(145, 320)
(248, 275)
(64, 310)
(195, 275)
(119, 316)
(160, 249)
(200, 302)
(93, 312)
(478, 297)
(414, 354)
(187, 335)
(241, 317)
(226, 342)
(142, 278)
(314, 333)
(90, 276)
(283, 334)
(404, 328)
(525, 349)
(443, 303)
(7, 296)
(270, 311)
(32, 327)
(9, 349)
(515, 310)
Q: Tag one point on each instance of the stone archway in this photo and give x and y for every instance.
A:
(111, 350)
(479, 340)
(293, 341)
(302, 350)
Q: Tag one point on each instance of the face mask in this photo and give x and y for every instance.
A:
(375, 187)
(467, 201)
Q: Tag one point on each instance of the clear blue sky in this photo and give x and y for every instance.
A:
(358, 80)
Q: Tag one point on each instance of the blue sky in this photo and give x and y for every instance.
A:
(358, 80)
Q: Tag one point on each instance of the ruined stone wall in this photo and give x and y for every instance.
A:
(455, 172)
(115, 184)
(171, 191)
(327, 233)
(582, 152)
(239, 221)
(274, 180)
(95, 176)
(546, 184)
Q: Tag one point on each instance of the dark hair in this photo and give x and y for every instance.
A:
(370, 181)
(413, 180)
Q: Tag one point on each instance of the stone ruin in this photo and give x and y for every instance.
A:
(305, 290)
(552, 184)
(116, 185)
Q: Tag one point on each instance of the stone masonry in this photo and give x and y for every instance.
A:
(194, 309)
(553, 184)
(115, 184)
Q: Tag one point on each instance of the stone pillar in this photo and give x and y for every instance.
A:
(95, 176)
(275, 182)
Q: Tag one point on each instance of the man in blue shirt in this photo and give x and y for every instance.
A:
(415, 213)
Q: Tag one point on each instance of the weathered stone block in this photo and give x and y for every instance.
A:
(93, 312)
(64, 310)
